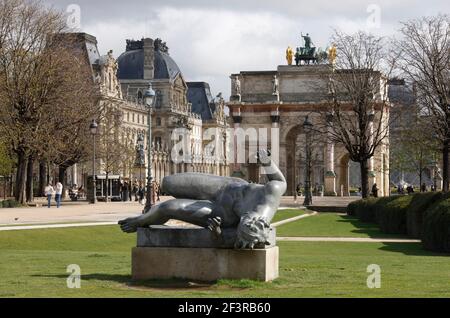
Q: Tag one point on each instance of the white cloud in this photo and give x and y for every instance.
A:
(208, 45)
(212, 39)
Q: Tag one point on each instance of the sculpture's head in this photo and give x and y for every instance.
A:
(252, 232)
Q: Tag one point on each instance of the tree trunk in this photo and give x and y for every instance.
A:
(19, 193)
(29, 182)
(42, 178)
(61, 178)
(364, 178)
(445, 166)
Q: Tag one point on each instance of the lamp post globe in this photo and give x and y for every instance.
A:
(307, 127)
(149, 98)
(93, 128)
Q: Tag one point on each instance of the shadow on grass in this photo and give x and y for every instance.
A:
(173, 283)
(413, 249)
(371, 229)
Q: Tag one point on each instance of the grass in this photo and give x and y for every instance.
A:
(287, 214)
(33, 264)
(333, 225)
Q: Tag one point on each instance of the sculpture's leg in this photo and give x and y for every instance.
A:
(190, 211)
(196, 186)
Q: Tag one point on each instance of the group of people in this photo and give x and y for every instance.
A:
(56, 191)
(137, 190)
(410, 188)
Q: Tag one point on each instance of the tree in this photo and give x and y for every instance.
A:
(424, 52)
(415, 148)
(357, 109)
(112, 149)
(45, 87)
(6, 164)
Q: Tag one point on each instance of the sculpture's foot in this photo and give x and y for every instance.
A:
(214, 225)
(130, 225)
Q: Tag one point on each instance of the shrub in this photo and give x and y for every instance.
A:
(436, 227)
(351, 208)
(379, 205)
(363, 209)
(414, 215)
(391, 216)
(9, 204)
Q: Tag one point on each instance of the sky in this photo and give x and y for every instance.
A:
(211, 39)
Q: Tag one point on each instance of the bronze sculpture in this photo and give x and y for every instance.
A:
(215, 202)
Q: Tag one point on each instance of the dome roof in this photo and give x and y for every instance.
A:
(131, 65)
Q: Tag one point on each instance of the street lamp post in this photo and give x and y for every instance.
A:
(307, 126)
(140, 156)
(149, 97)
(94, 128)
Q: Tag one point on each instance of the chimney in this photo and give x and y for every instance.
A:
(149, 58)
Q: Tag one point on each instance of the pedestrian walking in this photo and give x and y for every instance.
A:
(423, 188)
(375, 190)
(49, 191)
(58, 194)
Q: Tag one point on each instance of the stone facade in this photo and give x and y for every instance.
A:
(260, 101)
(122, 84)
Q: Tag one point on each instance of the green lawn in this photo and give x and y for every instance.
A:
(332, 224)
(287, 214)
(33, 264)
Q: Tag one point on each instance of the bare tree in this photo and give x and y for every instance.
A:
(41, 80)
(415, 148)
(112, 149)
(425, 60)
(357, 112)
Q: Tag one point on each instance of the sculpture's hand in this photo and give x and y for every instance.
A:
(214, 225)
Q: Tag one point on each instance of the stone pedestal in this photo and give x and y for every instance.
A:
(330, 184)
(204, 264)
(195, 253)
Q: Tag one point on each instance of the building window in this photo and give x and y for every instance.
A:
(139, 95)
(159, 99)
(158, 121)
(158, 141)
(133, 117)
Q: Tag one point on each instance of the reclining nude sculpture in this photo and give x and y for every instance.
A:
(215, 202)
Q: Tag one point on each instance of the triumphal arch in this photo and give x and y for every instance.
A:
(281, 100)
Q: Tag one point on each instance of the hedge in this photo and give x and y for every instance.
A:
(436, 227)
(9, 204)
(365, 209)
(391, 217)
(419, 204)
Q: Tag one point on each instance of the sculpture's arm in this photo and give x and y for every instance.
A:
(276, 178)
